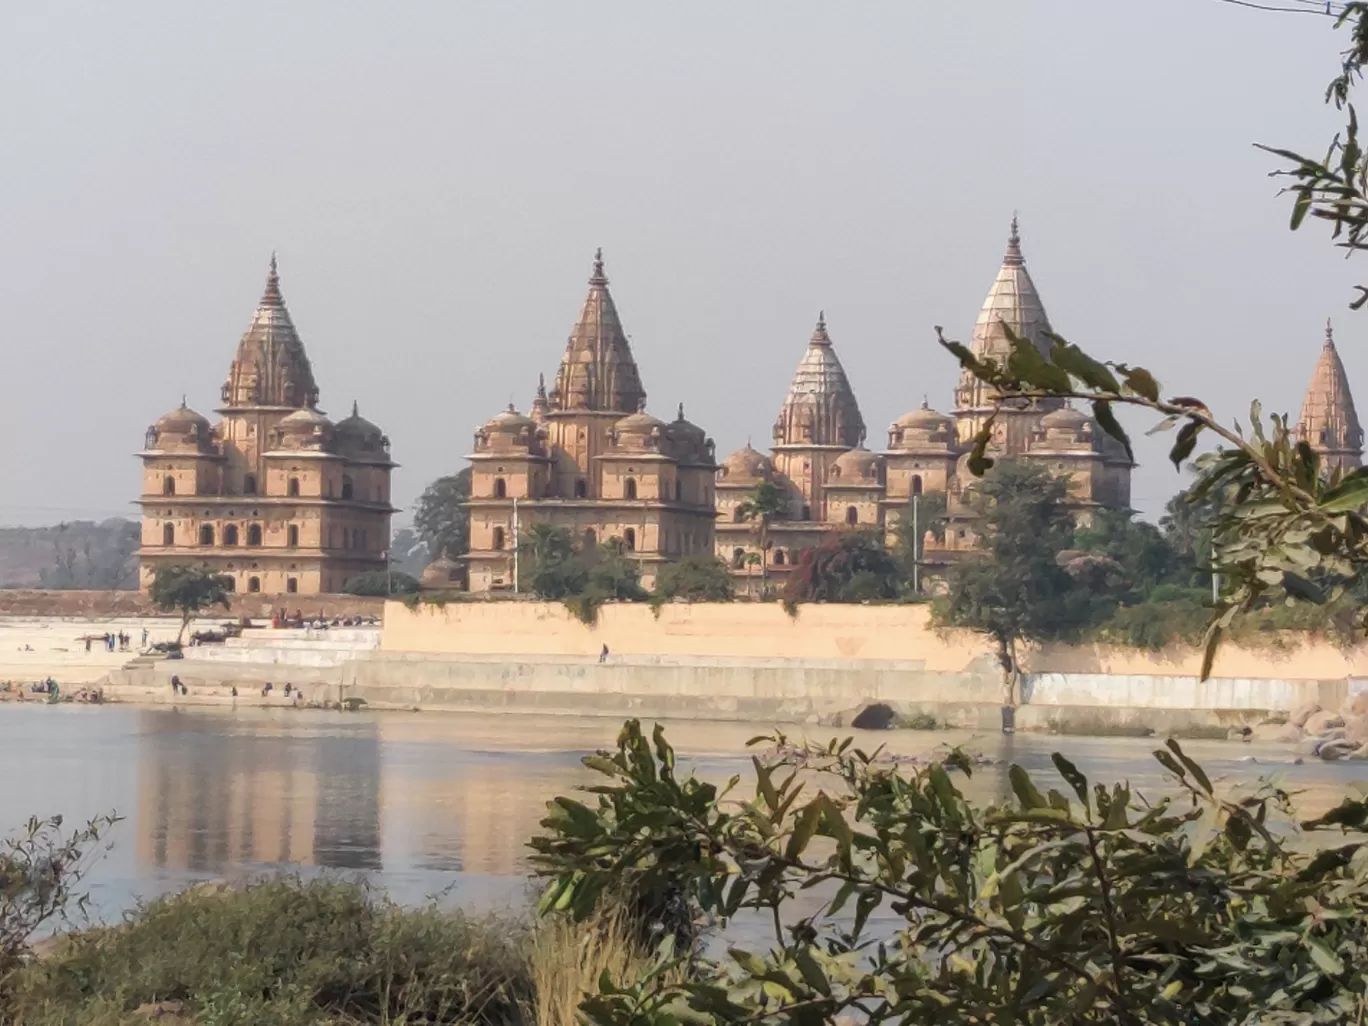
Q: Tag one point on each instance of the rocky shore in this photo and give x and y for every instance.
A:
(1322, 733)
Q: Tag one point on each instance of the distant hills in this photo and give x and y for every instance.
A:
(80, 554)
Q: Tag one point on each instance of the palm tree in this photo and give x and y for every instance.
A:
(765, 505)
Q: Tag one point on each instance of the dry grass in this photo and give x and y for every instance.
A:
(569, 958)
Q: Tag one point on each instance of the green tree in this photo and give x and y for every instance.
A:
(1088, 904)
(1014, 588)
(549, 567)
(761, 508)
(697, 578)
(1142, 552)
(381, 583)
(846, 567)
(189, 590)
(441, 519)
(909, 542)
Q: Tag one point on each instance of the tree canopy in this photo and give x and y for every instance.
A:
(381, 583)
(189, 590)
(696, 578)
(441, 519)
(849, 566)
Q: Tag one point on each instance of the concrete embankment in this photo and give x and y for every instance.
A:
(720, 662)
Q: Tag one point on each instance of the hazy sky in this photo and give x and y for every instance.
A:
(436, 176)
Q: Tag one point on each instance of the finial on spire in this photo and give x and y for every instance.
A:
(273, 263)
(356, 408)
(183, 403)
(1013, 256)
(926, 405)
(680, 415)
(598, 276)
(272, 294)
(541, 387)
(641, 404)
(1329, 334)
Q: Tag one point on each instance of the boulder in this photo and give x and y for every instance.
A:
(1320, 722)
(1303, 713)
(1359, 754)
(1357, 705)
(1310, 745)
(1356, 728)
(1278, 733)
(1334, 750)
(1239, 734)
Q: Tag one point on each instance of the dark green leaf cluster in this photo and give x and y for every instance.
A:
(847, 567)
(1090, 904)
(381, 583)
(696, 578)
(441, 519)
(189, 590)
(583, 578)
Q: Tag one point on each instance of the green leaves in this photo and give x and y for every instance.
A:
(1021, 912)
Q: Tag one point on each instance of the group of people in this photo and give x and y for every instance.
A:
(123, 642)
(284, 618)
(289, 691)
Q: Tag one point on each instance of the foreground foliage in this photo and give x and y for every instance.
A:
(1087, 905)
(284, 951)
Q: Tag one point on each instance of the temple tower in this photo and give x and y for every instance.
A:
(1329, 422)
(819, 420)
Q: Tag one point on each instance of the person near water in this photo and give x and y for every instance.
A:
(603, 656)
(175, 684)
(235, 691)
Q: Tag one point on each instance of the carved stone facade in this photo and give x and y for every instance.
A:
(1328, 422)
(590, 459)
(833, 483)
(275, 495)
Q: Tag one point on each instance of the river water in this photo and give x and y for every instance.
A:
(422, 804)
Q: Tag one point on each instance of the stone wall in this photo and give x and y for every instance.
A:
(94, 604)
(764, 632)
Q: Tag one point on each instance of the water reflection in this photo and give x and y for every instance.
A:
(422, 803)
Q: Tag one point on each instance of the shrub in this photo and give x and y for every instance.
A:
(378, 582)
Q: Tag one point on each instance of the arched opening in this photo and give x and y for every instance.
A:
(590, 538)
(581, 489)
(916, 484)
(629, 488)
(738, 515)
(254, 584)
(500, 488)
(207, 534)
(293, 488)
(852, 515)
(292, 584)
(168, 534)
(347, 487)
(780, 557)
(629, 539)
(679, 490)
(498, 542)
(249, 485)
(230, 535)
(229, 583)
(169, 485)
(807, 512)
(738, 557)
(292, 535)
(254, 534)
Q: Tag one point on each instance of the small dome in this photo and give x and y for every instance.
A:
(304, 421)
(509, 422)
(687, 440)
(1066, 417)
(923, 418)
(442, 574)
(855, 465)
(639, 429)
(357, 426)
(182, 421)
(747, 465)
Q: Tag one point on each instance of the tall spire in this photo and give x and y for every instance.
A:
(820, 408)
(598, 371)
(1014, 303)
(271, 367)
(1329, 423)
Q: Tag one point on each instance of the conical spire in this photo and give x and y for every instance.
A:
(271, 367)
(1329, 423)
(820, 408)
(1014, 303)
(598, 371)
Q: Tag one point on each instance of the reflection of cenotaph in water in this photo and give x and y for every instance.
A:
(214, 794)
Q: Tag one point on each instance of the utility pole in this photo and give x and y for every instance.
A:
(1215, 577)
(916, 547)
(515, 545)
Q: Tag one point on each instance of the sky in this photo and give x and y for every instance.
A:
(435, 177)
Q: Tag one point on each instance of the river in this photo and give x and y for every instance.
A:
(421, 804)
